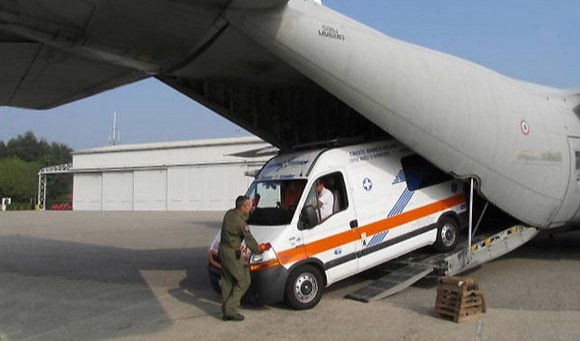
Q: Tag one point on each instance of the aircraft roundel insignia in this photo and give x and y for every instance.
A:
(525, 127)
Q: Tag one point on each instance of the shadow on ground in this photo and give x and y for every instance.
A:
(62, 290)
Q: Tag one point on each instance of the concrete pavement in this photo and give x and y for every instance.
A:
(143, 276)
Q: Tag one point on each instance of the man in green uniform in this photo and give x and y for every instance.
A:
(235, 273)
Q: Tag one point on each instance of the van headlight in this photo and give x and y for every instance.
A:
(264, 257)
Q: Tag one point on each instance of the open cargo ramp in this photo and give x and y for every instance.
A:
(415, 266)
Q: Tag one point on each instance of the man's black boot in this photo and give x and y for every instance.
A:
(237, 317)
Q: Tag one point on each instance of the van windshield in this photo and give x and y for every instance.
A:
(274, 201)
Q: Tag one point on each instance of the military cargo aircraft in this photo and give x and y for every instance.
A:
(296, 72)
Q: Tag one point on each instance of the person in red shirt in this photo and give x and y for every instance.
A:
(292, 195)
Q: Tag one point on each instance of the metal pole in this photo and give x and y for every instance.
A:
(38, 196)
(480, 218)
(44, 193)
(470, 221)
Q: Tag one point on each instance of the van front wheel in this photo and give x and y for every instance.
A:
(446, 234)
(304, 287)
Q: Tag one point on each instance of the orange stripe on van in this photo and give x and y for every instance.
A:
(319, 246)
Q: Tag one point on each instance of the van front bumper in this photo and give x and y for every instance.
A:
(267, 286)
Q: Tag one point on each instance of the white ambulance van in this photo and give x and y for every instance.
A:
(328, 214)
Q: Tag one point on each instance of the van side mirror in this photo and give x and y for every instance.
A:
(308, 218)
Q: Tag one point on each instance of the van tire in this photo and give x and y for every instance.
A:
(447, 234)
(304, 287)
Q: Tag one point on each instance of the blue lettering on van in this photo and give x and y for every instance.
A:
(370, 153)
(357, 152)
(284, 164)
(454, 187)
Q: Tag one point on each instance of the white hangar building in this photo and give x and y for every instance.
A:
(172, 176)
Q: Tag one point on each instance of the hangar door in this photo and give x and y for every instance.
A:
(150, 190)
(118, 191)
(220, 185)
(87, 189)
(210, 188)
(183, 195)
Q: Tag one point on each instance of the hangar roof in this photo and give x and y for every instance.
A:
(246, 140)
(237, 150)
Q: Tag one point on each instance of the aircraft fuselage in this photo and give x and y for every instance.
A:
(518, 140)
(297, 71)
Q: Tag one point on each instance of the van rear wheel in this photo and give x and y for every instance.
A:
(304, 287)
(447, 231)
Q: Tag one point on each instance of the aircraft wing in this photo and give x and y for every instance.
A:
(55, 52)
(33, 75)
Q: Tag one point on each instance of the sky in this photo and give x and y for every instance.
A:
(532, 40)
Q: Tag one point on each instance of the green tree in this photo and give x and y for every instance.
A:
(59, 154)
(18, 179)
(33, 153)
(27, 148)
(2, 150)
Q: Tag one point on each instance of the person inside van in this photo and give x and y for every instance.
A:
(292, 195)
(255, 202)
(325, 200)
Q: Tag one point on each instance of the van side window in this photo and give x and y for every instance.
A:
(326, 197)
(420, 173)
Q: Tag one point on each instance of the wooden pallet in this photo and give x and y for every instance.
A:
(459, 299)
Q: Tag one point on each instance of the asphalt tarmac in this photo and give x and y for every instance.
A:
(143, 276)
